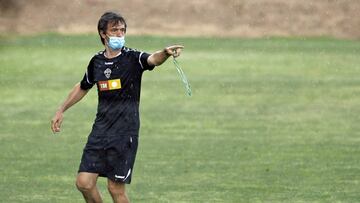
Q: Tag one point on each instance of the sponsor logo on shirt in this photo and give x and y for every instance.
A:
(109, 85)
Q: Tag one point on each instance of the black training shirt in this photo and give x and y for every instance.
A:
(118, 82)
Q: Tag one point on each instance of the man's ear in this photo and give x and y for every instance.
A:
(103, 35)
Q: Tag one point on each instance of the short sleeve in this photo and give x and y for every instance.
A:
(88, 80)
(143, 61)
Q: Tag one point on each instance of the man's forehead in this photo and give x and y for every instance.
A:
(113, 24)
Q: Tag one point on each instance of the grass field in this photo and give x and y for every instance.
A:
(270, 120)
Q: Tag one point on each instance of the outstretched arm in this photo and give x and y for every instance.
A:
(76, 94)
(160, 57)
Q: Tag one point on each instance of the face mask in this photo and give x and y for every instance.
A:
(116, 43)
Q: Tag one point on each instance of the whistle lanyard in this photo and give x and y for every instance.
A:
(183, 77)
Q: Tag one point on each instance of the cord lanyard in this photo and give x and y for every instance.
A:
(183, 77)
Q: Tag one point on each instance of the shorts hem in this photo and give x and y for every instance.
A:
(117, 180)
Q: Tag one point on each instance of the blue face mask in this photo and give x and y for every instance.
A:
(116, 43)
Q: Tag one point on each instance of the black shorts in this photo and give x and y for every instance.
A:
(111, 156)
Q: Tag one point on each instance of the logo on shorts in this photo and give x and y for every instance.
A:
(124, 177)
(116, 176)
(109, 85)
(107, 73)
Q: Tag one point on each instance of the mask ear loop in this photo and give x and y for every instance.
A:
(183, 77)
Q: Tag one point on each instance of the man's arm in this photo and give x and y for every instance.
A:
(160, 57)
(76, 94)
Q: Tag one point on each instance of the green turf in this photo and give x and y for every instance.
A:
(270, 120)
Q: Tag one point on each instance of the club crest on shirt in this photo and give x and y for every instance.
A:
(107, 73)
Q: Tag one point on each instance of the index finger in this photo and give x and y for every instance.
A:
(176, 47)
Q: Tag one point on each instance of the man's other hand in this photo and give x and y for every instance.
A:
(56, 122)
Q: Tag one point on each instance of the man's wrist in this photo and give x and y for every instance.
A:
(60, 110)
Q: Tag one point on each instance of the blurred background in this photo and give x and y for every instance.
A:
(238, 18)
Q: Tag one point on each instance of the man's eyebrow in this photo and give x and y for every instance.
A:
(118, 27)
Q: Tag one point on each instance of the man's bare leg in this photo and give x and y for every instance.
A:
(86, 184)
(117, 191)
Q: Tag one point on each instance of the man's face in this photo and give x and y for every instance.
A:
(115, 29)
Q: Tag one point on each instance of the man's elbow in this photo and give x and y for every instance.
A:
(78, 88)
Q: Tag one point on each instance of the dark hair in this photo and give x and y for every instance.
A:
(106, 18)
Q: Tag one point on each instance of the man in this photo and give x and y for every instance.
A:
(112, 144)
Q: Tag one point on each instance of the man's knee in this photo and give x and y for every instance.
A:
(116, 188)
(85, 184)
